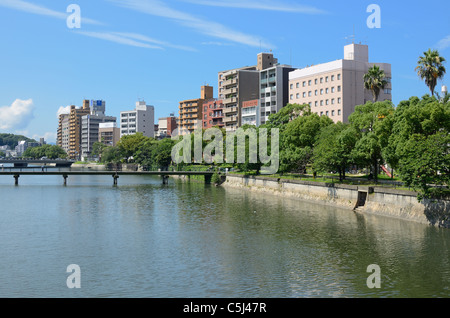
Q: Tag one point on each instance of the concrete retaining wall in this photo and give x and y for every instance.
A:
(380, 201)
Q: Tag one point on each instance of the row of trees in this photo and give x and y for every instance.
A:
(49, 151)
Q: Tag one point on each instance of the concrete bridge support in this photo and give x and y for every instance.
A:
(115, 177)
(16, 179)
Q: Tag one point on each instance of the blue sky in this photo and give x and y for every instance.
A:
(163, 51)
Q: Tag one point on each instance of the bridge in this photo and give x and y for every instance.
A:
(115, 174)
(23, 163)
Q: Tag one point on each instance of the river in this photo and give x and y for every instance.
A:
(146, 239)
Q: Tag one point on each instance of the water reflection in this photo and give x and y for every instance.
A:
(145, 239)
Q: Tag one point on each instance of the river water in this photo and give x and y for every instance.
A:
(146, 239)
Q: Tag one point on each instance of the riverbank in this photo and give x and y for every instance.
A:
(362, 199)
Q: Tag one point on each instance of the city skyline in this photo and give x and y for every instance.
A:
(126, 50)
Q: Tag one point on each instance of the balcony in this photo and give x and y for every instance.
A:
(230, 119)
(231, 100)
(228, 91)
(230, 82)
(228, 110)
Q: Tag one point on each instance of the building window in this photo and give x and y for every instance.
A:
(315, 81)
(387, 91)
(309, 83)
(304, 94)
(304, 84)
(332, 101)
(292, 86)
(339, 88)
(291, 97)
(332, 89)
(339, 77)
(315, 103)
(309, 93)
(321, 103)
(332, 78)
(321, 80)
(316, 92)
(326, 79)
(339, 112)
(321, 91)
(332, 113)
(327, 113)
(321, 113)
(326, 91)
(298, 85)
(339, 100)
(297, 96)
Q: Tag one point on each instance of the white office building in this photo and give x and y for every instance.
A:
(142, 120)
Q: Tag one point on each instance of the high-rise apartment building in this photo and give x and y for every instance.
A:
(75, 129)
(334, 89)
(213, 113)
(274, 90)
(63, 132)
(191, 111)
(90, 127)
(266, 80)
(236, 86)
(141, 119)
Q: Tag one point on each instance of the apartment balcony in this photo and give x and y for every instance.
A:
(228, 110)
(228, 91)
(231, 100)
(230, 119)
(230, 82)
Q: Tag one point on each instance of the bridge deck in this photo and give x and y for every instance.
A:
(106, 173)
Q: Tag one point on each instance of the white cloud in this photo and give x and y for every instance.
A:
(260, 5)
(444, 43)
(117, 38)
(40, 10)
(145, 38)
(63, 110)
(16, 116)
(201, 25)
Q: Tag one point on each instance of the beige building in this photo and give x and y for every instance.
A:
(191, 111)
(334, 89)
(63, 132)
(108, 133)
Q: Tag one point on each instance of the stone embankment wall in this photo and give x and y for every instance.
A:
(380, 201)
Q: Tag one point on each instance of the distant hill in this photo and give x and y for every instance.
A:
(13, 140)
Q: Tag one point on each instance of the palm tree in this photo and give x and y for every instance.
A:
(375, 80)
(430, 68)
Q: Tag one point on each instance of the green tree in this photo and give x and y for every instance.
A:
(287, 114)
(298, 139)
(98, 148)
(163, 152)
(333, 149)
(112, 154)
(373, 124)
(129, 144)
(430, 68)
(145, 154)
(418, 146)
(375, 81)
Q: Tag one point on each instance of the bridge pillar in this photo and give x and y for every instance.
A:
(65, 179)
(115, 177)
(165, 179)
(16, 179)
(207, 179)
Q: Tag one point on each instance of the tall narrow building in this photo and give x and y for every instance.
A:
(75, 129)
